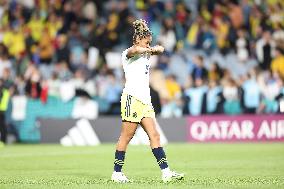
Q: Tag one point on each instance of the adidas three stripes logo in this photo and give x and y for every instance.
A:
(119, 162)
(163, 160)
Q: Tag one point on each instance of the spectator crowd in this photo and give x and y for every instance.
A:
(221, 56)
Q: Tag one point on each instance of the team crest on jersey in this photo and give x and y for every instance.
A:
(135, 115)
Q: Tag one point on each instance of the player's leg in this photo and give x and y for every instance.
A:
(129, 126)
(127, 132)
(149, 125)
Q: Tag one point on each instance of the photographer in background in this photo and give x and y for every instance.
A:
(4, 100)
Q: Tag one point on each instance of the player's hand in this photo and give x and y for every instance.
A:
(158, 49)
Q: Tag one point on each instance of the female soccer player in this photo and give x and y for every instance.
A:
(136, 106)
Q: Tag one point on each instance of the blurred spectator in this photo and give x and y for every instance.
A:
(63, 51)
(20, 85)
(252, 95)
(172, 107)
(199, 71)
(14, 40)
(242, 46)
(46, 47)
(235, 14)
(63, 72)
(277, 65)
(90, 10)
(112, 94)
(215, 73)
(167, 37)
(36, 26)
(7, 78)
(232, 97)
(221, 32)
(158, 82)
(80, 81)
(5, 62)
(246, 9)
(207, 39)
(280, 99)
(193, 31)
(264, 48)
(196, 96)
(54, 85)
(33, 86)
(173, 87)
(45, 54)
(68, 16)
(270, 87)
(213, 101)
(163, 62)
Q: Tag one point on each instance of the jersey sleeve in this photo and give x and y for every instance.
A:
(123, 56)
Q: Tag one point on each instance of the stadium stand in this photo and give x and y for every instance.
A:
(221, 56)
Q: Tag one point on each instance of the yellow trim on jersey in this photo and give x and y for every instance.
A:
(133, 110)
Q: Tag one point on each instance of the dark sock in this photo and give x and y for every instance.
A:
(119, 160)
(161, 157)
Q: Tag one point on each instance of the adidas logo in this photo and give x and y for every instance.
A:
(82, 134)
(141, 136)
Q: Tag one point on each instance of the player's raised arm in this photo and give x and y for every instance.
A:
(134, 50)
(158, 49)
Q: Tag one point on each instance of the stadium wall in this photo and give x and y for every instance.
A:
(195, 129)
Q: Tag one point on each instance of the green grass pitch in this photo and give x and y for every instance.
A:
(242, 165)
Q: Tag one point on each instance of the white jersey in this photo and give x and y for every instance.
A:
(136, 71)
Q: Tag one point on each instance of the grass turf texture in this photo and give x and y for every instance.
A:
(205, 165)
